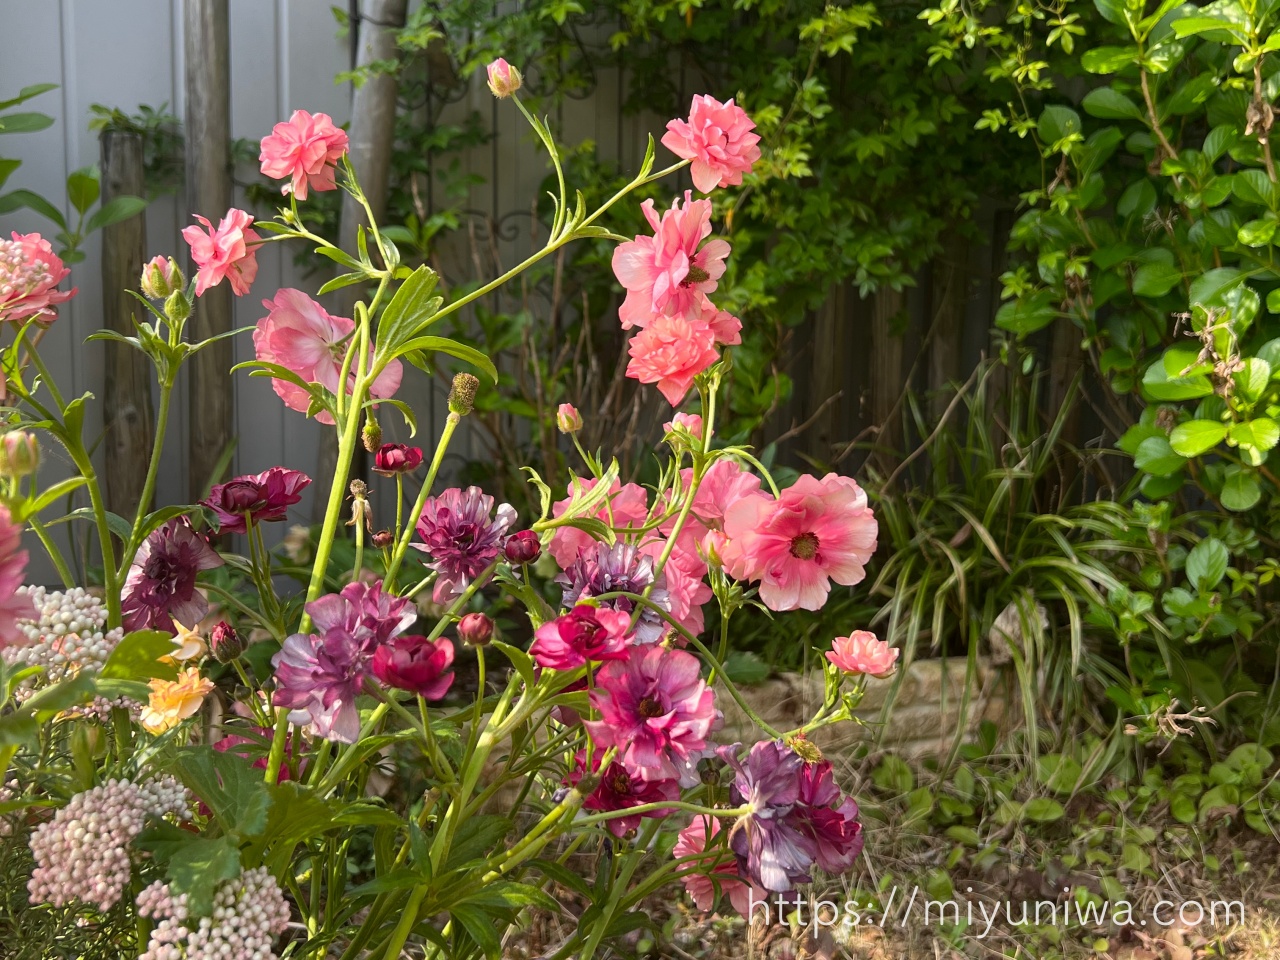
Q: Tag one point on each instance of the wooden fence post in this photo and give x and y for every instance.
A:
(949, 295)
(126, 401)
(207, 48)
(887, 377)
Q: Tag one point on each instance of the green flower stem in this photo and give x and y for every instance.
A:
(112, 579)
(562, 210)
(406, 535)
(153, 470)
(345, 760)
(359, 564)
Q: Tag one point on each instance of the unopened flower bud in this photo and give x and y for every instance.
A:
(806, 750)
(19, 454)
(689, 423)
(522, 547)
(361, 512)
(383, 539)
(371, 435)
(177, 308)
(475, 629)
(504, 79)
(713, 547)
(225, 643)
(463, 395)
(568, 419)
(393, 458)
(161, 278)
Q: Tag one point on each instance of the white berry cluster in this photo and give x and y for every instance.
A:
(249, 912)
(69, 634)
(7, 792)
(83, 852)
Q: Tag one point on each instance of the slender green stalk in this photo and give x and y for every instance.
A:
(51, 548)
(406, 535)
(153, 471)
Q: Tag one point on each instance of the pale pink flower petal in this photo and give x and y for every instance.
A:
(717, 137)
(670, 352)
(306, 149)
(227, 252)
(863, 652)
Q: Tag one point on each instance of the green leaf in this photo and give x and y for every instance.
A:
(1206, 289)
(17, 199)
(1195, 437)
(83, 189)
(1257, 233)
(479, 925)
(1252, 378)
(25, 122)
(1112, 10)
(1043, 810)
(1155, 279)
(1240, 490)
(344, 280)
(1056, 123)
(115, 210)
(232, 790)
(1159, 384)
(1261, 434)
(6, 169)
(1059, 772)
(137, 657)
(1109, 60)
(1156, 457)
(1207, 564)
(1027, 315)
(454, 349)
(196, 869)
(476, 838)
(26, 93)
(410, 311)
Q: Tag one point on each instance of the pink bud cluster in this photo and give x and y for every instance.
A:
(83, 852)
(249, 912)
(7, 792)
(69, 635)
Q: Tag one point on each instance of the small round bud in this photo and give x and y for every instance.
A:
(161, 278)
(177, 308)
(371, 435)
(504, 79)
(463, 395)
(522, 547)
(713, 548)
(225, 643)
(475, 629)
(393, 458)
(683, 423)
(19, 454)
(383, 539)
(568, 419)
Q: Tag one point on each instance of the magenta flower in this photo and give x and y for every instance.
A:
(14, 606)
(161, 585)
(416, 664)
(621, 790)
(657, 711)
(622, 567)
(798, 817)
(301, 336)
(717, 137)
(667, 274)
(815, 532)
(228, 252)
(461, 536)
(29, 276)
(319, 675)
(393, 458)
(523, 546)
(306, 149)
(255, 498)
(626, 506)
(585, 634)
(671, 352)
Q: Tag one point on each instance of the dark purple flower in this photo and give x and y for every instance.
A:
(620, 790)
(582, 635)
(161, 585)
(657, 711)
(462, 538)
(393, 458)
(415, 664)
(255, 498)
(601, 569)
(319, 675)
(522, 547)
(798, 817)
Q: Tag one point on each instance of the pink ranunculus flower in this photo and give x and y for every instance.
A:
(697, 839)
(586, 634)
(29, 276)
(626, 506)
(305, 149)
(14, 606)
(815, 532)
(717, 137)
(230, 251)
(724, 484)
(300, 335)
(668, 274)
(725, 327)
(657, 711)
(670, 352)
(685, 587)
(863, 652)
